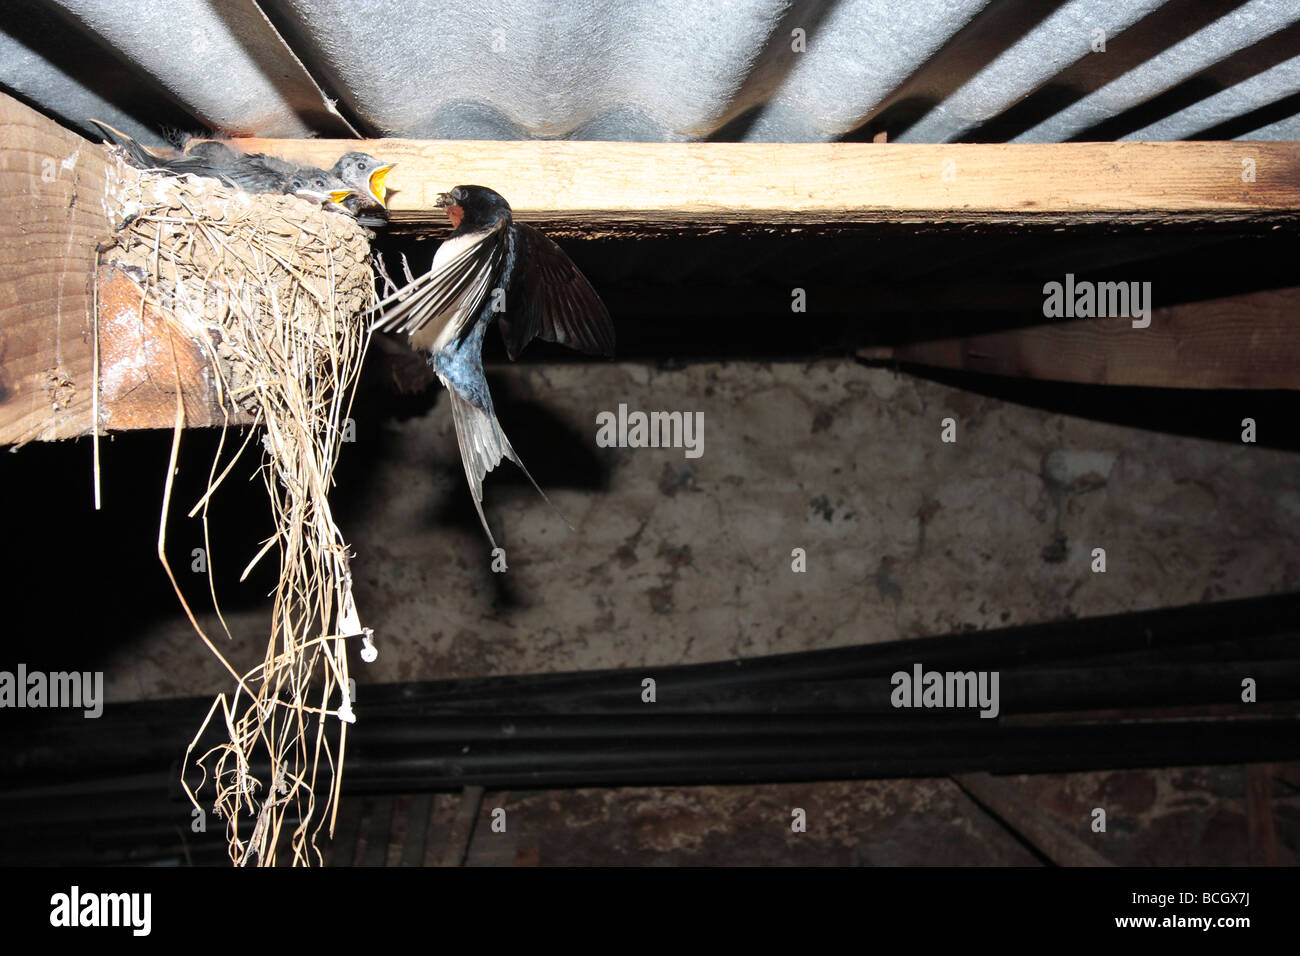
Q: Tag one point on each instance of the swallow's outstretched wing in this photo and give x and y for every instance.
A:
(552, 300)
(441, 305)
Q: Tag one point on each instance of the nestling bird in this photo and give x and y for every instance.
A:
(366, 177)
(492, 267)
(258, 172)
(251, 172)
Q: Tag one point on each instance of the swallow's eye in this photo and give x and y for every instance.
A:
(361, 165)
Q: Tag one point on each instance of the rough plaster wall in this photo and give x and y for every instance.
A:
(680, 561)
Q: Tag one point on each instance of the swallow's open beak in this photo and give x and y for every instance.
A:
(444, 200)
(378, 191)
(338, 195)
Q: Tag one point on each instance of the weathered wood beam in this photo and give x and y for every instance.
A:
(600, 188)
(1243, 341)
(53, 205)
(52, 192)
(52, 209)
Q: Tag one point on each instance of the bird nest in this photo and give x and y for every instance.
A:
(273, 289)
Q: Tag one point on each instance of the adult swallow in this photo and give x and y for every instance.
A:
(492, 267)
(366, 177)
(251, 172)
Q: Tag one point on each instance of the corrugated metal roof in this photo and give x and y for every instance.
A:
(926, 71)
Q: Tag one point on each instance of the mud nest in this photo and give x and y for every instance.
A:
(275, 290)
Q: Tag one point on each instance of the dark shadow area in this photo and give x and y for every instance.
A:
(666, 277)
(735, 129)
(91, 580)
(872, 289)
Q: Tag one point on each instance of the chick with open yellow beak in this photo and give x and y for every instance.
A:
(367, 178)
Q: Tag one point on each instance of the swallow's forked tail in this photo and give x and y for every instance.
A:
(482, 446)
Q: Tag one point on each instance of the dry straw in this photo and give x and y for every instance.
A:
(274, 290)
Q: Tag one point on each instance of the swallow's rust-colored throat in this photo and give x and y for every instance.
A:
(455, 214)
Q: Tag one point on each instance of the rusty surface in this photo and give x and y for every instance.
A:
(848, 823)
(1191, 816)
(1261, 832)
(1167, 817)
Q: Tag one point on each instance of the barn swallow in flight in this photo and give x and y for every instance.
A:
(492, 267)
(365, 176)
(251, 172)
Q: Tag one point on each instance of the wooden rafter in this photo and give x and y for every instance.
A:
(53, 193)
(596, 188)
(1242, 341)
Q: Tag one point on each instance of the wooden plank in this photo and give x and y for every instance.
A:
(597, 188)
(53, 203)
(52, 186)
(1009, 805)
(1243, 341)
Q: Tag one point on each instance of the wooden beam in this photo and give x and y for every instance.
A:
(599, 188)
(52, 188)
(54, 206)
(1243, 341)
